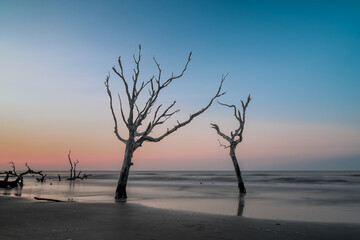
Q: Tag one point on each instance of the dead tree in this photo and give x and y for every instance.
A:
(73, 174)
(71, 165)
(42, 178)
(18, 182)
(4, 183)
(139, 115)
(235, 138)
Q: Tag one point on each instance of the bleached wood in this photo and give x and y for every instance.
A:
(139, 116)
(235, 138)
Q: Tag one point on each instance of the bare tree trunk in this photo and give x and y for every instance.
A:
(241, 204)
(139, 114)
(240, 181)
(120, 194)
(71, 165)
(234, 139)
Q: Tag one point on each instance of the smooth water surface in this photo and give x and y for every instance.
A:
(303, 196)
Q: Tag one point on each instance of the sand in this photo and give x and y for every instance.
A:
(23, 218)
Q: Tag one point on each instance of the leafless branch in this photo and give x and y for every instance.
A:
(236, 112)
(121, 75)
(236, 136)
(223, 145)
(116, 131)
(13, 167)
(137, 115)
(122, 111)
(216, 127)
(29, 171)
(19, 177)
(192, 116)
(73, 175)
(71, 164)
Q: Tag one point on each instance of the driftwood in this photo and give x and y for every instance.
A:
(18, 182)
(42, 178)
(73, 174)
(48, 199)
(52, 199)
(235, 138)
(139, 115)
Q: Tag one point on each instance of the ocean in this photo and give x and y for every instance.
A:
(329, 196)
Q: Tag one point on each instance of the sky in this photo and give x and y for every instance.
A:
(299, 60)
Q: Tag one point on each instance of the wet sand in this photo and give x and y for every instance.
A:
(23, 218)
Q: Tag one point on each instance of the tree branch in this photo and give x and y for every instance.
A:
(167, 82)
(73, 175)
(236, 112)
(71, 164)
(136, 75)
(154, 93)
(121, 75)
(192, 116)
(122, 112)
(241, 119)
(116, 131)
(224, 136)
(223, 145)
(244, 106)
(13, 167)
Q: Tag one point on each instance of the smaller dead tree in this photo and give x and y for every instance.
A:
(235, 138)
(42, 178)
(73, 174)
(18, 182)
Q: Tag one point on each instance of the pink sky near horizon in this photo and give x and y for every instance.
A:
(298, 60)
(194, 147)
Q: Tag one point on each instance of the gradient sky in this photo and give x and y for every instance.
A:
(298, 59)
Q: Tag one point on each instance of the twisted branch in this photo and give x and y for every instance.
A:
(236, 136)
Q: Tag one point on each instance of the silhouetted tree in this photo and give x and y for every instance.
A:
(18, 182)
(137, 115)
(73, 175)
(235, 138)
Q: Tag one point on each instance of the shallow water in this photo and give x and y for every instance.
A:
(303, 196)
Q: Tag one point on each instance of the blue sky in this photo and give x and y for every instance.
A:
(298, 59)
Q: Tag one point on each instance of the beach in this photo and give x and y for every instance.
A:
(23, 218)
(191, 205)
(296, 196)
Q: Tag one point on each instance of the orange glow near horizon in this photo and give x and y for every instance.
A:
(195, 147)
(301, 69)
